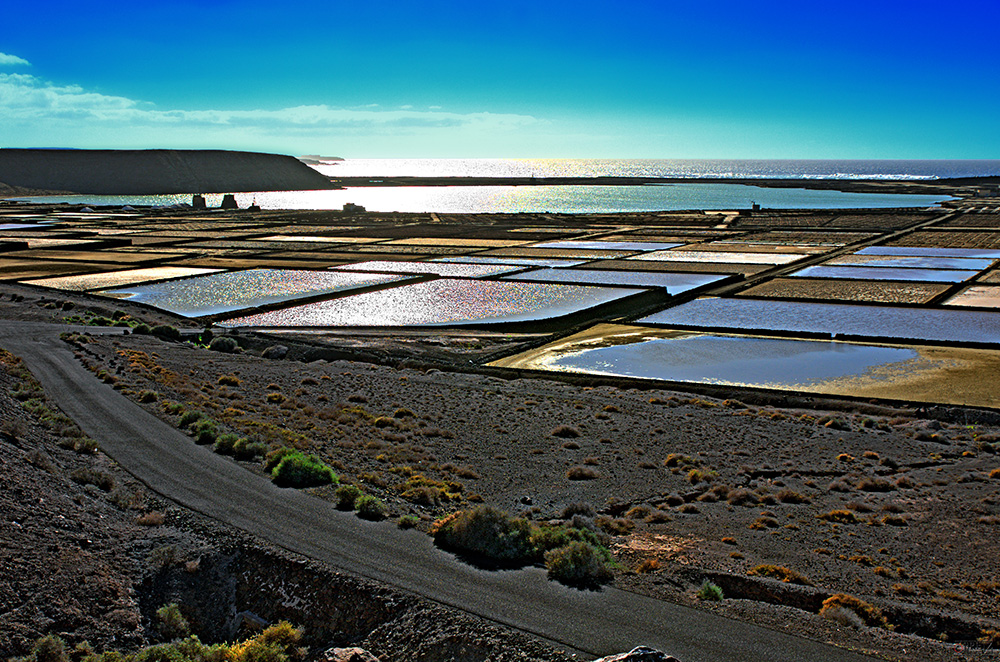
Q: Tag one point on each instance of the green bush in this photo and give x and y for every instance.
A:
(579, 564)
(204, 431)
(369, 507)
(49, 648)
(189, 417)
(244, 449)
(347, 495)
(166, 331)
(486, 532)
(142, 329)
(544, 538)
(408, 522)
(223, 344)
(225, 443)
(88, 476)
(172, 623)
(299, 470)
(275, 457)
(709, 591)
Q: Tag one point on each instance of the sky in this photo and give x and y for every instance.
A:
(583, 79)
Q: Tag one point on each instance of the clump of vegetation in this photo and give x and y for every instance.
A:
(710, 592)
(874, 484)
(580, 472)
(166, 332)
(189, 417)
(370, 508)
(869, 614)
(486, 532)
(296, 469)
(565, 432)
(408, 522)
(346, 496)
(841, 516)
(88, 476)
(223, 344)
(148, 396)
(781, 573)
(579, 564)
(172, 623)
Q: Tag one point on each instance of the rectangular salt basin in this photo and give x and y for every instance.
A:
(836, 319)
(912, 251)
(921, 373)
(608, 245)
(442, 302)
(981, 296)
(911, 262)
(733, 257)
(235, 290)
(885, 273)
(451, 270)
(108, 279)
(673, 283)
(519, 261)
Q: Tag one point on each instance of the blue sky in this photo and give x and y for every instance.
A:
(506, 79)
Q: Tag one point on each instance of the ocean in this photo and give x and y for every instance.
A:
(693, 168)
(590, 199)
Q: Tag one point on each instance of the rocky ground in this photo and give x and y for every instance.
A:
(895, 506)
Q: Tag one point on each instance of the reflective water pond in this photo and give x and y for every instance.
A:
(235, 290)
(835, 319)
(721, 256)
(442, 302)
(912, 262)
(453, 270)
(674, 283)
(992, 254)
(885, 273)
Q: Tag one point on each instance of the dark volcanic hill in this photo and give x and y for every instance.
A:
(146, 172)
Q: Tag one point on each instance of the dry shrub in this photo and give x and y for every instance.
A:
(788, 496)
(580, 472)
(869, 614)
(841, 516)
(565, 432)
(763, 523)
(154, 518)
(648, 565)
(741, 497)
(781, 573)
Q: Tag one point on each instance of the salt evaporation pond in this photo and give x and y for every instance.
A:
(519, 261)
(85, 282)
(885, 273)
(235, 290)
(442, 302)
(912, 262)
(734, 360)
(982, 296)
(609, 245)
(928, 324)
(917, 251)
(734, 257)
(674, 283)
(450, 270)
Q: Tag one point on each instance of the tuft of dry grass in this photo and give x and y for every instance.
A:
(580, 472)
(781, 573)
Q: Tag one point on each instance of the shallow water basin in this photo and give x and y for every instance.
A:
(85, 282)
(981, 296)
(519, 261)
(444, 269)
(674, 283)
(608, 245)
(236, 290)
(442, 302)
(911, 262)
(835, 319)
(733, 257)
(885, 273)
(991, 254)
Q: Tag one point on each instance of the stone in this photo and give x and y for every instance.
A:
(348, 655)
(640, 654)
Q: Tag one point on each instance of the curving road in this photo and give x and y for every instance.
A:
(592, 623)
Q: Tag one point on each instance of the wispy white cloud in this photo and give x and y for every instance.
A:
(12, 61)
(29, 103)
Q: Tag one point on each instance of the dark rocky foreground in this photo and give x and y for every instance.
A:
(148, 172)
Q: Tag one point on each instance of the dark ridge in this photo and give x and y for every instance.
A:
(148, 172)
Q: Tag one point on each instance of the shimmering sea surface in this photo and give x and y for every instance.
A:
(836, 319)
(441, 302)
(235, 290)
(535, 199)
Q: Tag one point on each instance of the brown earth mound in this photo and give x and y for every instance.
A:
(147, 172)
